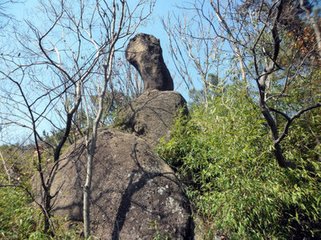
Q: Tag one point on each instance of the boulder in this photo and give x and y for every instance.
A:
(145, 54)
(135, 194)
(152, 114)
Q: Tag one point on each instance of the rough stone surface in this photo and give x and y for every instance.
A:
(152, 114)
(135, 195)
(145, 54)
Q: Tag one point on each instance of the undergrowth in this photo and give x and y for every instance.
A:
(223, 153)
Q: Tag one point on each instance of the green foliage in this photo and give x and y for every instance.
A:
(223, 153)
(159, 235)
(20, 220)
(18, 160)
(17, 218)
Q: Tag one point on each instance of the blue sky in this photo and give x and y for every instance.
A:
(154, 27)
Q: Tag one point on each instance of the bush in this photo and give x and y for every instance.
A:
(223, 153)
(17, 217)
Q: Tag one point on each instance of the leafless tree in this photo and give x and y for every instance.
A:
(59, 61)
(127, 79)
(195, 49)
(118, 18)
(5, 17)
(254, 32)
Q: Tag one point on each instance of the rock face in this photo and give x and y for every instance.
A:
(152, 114)
(145, 54)
(135, 195)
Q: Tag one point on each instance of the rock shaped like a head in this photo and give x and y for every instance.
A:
(145, 54)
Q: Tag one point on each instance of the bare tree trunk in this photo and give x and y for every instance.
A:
(264, 69)
(5, 168)
(91, 143)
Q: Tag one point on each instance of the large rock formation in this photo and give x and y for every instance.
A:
(151, 115)
(135, 195)
(145, 54)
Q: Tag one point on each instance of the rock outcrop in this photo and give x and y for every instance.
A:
(145, 54)
(135, 195)
(152, 114)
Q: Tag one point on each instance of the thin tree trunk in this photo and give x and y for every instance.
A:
(5, 168)
(91, 143)
(87, 187)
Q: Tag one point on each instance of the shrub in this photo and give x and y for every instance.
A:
(223, 154)
(17, 217)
